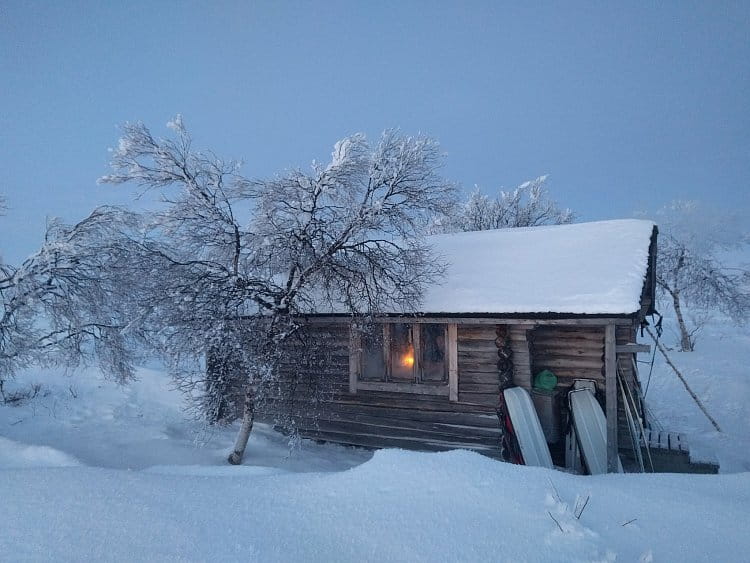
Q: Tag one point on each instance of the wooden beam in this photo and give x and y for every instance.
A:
(414, 388)
(355, 357)
(631, 348)
(469, 320)
(610, 381)
(452, 353)
(416, 342)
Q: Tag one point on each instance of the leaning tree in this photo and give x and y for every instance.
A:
(229, 265)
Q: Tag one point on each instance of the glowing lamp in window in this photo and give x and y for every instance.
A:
(407, 360)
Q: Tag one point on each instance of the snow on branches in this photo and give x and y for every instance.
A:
(528, 205)
(230, 259)
(691, 269)
(66, 302)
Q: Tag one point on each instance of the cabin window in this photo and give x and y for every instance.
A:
(402, 357)
(373, 354)
(402, 362)
(433, 357)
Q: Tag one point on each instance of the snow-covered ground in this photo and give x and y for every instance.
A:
(91, 471)
(718, 371)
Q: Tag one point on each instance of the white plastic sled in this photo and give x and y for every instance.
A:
(590, 426)
(527, 428)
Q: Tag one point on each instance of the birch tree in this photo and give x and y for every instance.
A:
(528, 205)
(691, 271)
(231, 264)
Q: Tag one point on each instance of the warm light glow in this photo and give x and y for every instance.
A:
(408, 359)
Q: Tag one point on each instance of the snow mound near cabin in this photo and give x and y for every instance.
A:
(399, 506)
(14, 455)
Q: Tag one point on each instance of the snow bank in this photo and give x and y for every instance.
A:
(400, 506)
(144, 489)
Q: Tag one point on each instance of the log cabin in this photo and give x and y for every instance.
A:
(513, 302)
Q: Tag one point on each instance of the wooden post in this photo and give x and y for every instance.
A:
(610, 381)
(452, 351)
(355, 357)
(416, 344)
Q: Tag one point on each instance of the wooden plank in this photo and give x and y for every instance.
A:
(489, 388)
(553, 362)
(483, 399)
(469, 320)
(387, 350)
(366, 425)
(472, 420)
(411, 388)
(452, 353)
(632, 348)
(610, 376)
(416, 342)
(355, 358)
(486, 378)
(471, 346)
(519, 346)
(405, 443)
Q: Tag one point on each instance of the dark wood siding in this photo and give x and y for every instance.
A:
(324, 409)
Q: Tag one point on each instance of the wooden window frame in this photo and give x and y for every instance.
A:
(417, 387)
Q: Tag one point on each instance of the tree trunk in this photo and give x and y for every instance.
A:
(235, 458)
(686, 343)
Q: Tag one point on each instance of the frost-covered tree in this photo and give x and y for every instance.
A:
(528, 205)
(230, 265)
(690, 268)
(61, 305)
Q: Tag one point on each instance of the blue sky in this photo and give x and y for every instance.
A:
(625, 105)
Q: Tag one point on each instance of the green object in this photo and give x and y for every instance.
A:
(545, 380)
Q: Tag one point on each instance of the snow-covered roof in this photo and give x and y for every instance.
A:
(583, 268)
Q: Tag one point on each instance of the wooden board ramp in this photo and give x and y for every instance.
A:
(672, 441)
(670, 453)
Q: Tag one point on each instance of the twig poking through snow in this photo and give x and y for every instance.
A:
(557, 494)
(556, 522)
(579, 510)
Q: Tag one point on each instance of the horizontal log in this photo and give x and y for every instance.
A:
(492, 388)
(411, 388)
(543, 334)
(356, 428)
(422, 402)
(631, 348)
(478, 357)
(468, 334)
(478, 377)
(479, 420)
(468, 320)
(405, 443)
(580, 346)
(571, 363)
(485, 366)
(477, 346)
(483, 399)
(365, 424)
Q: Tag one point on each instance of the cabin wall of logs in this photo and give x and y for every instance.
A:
(490, 354)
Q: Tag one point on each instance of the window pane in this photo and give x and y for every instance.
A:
(373, 357)
(401, 353)
(432, 343)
